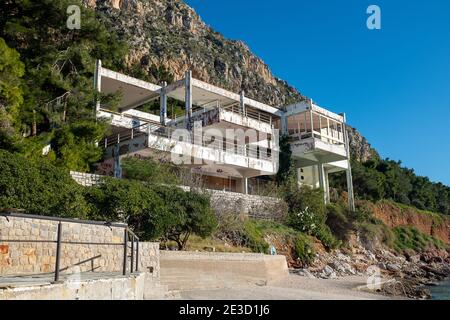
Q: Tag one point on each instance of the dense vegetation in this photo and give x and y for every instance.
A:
(46, 91)
(378, 179)
(153, 210)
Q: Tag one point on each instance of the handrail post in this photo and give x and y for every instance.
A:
(137, 255)
(58, 252)
(125, 244)
(132, 255)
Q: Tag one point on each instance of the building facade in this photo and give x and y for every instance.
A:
(226, 138)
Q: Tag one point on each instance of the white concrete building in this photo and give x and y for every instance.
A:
(223, 136)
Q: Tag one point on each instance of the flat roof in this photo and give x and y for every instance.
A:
(205, 94)
(134, 92)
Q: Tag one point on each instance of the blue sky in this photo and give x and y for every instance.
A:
(393, 83)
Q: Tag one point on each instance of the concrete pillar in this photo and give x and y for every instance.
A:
(244, 185)
(242, 104)
(163, 104)
(351, 196)
(327, 188)
(284, 125)
(323, 181)
(117, 164)
(188, 98)
(97, 84)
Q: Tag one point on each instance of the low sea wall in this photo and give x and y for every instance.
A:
(203, 270)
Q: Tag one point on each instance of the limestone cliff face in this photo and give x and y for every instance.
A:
(167, 36)
(361, 150)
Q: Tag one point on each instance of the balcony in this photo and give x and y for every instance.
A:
(317, 136)
(154, 140)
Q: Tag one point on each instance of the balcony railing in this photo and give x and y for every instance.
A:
(251, 151)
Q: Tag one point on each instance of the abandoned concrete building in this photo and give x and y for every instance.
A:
(199, 133)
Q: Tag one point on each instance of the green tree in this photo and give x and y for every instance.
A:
(11, 70)
(38, 187)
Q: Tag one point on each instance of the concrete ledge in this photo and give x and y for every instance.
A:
(109, 288)
(205, 270)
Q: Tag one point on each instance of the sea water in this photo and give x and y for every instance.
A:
(440, 291)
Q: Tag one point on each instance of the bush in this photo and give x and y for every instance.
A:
(148, 170)
(153, 211)
(410, 238)
(254, 238)
(338, 220)
(306, 209)
(39, 188)
(303, 249)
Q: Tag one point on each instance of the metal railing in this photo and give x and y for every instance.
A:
(128, 237)
(251, 151)
(249, 113)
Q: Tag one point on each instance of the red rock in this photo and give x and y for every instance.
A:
(4, 249)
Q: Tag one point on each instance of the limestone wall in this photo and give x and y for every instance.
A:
(92, 248)
(86, 179)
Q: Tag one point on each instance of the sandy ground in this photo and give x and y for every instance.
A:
(293, 287)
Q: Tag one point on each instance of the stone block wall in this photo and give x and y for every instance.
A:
(91, 248)
(86, 179)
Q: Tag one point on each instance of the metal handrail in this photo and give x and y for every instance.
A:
(262, 117)
(59, 241)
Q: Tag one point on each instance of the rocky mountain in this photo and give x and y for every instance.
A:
(167, 37)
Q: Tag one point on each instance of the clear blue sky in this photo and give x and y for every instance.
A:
(393, 83)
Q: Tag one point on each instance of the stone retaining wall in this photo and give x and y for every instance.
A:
(26, 256)
(222, 201)
(86, 179)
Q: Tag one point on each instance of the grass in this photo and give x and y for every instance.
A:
(409, 238)
(438, 218)
(196, 243)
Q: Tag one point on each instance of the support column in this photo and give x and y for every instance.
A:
(284, 125)
(117, 164)
(242, 104)
(188, 98)
(97, 84)
(322, 181)
(163, 104)
(351, 196)
(244, 185)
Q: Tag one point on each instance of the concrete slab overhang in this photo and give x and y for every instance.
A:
(303, 106)
(134, 92)
(204, 94)
(314, 150)
(154, 145)
(222, 119)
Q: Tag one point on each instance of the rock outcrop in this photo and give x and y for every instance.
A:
(166, 38)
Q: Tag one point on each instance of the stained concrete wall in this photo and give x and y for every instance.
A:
(204, 270)
(39, 257)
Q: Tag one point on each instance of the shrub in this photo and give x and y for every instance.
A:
(254, 238)
(306, 209)
(410, 238)
(153, 211)
(338, 220)
(303, 248)
(148, 170)
(39, 187)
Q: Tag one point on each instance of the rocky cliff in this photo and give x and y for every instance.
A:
(167, 37)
